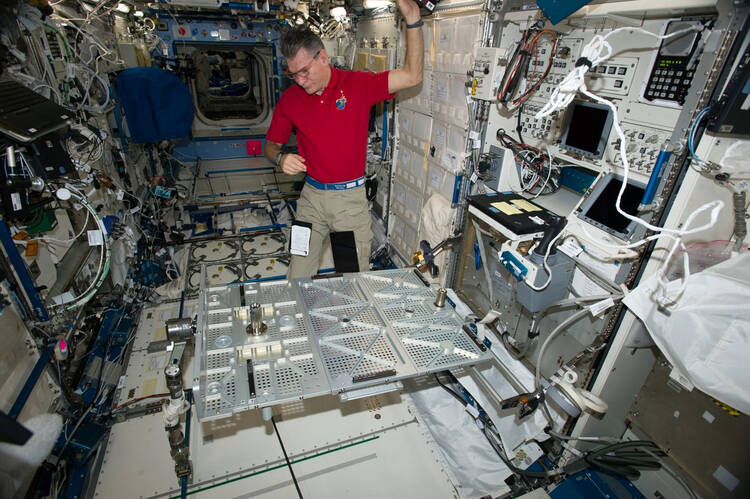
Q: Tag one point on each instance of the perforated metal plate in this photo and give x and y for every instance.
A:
(322, 336)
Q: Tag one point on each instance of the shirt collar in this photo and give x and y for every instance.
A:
(333, 83)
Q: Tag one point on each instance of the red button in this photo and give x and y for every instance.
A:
(181, 31)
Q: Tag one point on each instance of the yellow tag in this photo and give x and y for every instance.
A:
(506, 208)
(525, 205)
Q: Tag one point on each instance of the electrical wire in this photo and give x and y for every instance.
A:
(546, 265)
(595, 52)
(671, 472)
(75, 429)
(534, 163)
(621, 458)
(494, 439)
(693, 132)
(560, 328)
(104, 258)
(286, 457)
(64, 241)
(512, 90)
(455, 395)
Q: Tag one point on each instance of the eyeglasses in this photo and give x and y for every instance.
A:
(304, 72)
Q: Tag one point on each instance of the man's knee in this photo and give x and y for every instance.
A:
(302, 267)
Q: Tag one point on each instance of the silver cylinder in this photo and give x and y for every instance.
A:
(173, 375)
(440, 299)
(180, 329)
(10, 153)
(256, 327)
(266, 413)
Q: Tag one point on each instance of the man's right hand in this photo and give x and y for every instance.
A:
(292, 164)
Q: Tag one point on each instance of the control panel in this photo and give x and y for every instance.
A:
(647, 80)
(486, 73)
(216, 31)
(674, 66)
(643, 146)
(547, 129)
(614, 77)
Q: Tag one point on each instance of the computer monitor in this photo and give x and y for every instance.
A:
(587, 129)
(599, 208)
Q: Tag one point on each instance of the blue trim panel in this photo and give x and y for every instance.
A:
(23, 273)
(28, 387)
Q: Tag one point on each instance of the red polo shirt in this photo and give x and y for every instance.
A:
(331, 128)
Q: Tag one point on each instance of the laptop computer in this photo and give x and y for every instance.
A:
(26, 115)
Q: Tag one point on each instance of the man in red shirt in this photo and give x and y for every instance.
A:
(329, 110)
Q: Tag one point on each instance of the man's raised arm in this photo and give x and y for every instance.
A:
(410, 74)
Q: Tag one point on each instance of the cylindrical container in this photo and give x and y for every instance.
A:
(180, 329)
(256, 327)
(440, 299)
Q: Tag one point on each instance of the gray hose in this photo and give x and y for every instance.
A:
(740, 226)
(560, 328)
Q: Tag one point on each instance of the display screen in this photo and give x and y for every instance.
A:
(680, 45)
(585, 128)
(603, 210)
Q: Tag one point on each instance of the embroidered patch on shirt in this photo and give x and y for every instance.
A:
(341, 102)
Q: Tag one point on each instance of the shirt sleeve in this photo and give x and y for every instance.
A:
(281, 126)
(377, 86)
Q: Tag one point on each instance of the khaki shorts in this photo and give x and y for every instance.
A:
(332, 211)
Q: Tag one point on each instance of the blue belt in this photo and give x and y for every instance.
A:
(338, 186)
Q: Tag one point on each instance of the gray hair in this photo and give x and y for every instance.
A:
(300, 37)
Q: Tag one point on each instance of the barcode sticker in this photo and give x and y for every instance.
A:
(95, 238)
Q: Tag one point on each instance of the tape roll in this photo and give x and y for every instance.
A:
(594, 404)
(584, 399)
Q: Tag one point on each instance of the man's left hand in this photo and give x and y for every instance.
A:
(410, 10)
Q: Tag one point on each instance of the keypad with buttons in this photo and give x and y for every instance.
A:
(672, 75)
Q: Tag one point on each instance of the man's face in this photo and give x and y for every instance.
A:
(309, 70)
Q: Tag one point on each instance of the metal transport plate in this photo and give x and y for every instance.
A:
(320, 336)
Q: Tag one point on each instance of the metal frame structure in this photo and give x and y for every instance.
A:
(349, 334)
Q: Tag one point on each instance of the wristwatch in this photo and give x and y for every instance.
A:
(277, 159)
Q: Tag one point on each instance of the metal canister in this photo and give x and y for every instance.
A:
(440, 299)
(256, 327)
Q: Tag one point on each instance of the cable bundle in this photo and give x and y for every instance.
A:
(595, 52)
(538, 174)
(622, 458)
(517, 85)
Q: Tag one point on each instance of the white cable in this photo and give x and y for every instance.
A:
(104, 257)
(546, 267)
(597, 51)
(560, 327)
(549, 173)
(52, 239)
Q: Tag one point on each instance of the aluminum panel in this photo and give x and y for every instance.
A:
(322, 336)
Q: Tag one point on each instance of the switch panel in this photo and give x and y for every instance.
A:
(486, 73)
